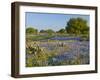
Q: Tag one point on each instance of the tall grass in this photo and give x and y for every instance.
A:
(40, 56)
(41, 51)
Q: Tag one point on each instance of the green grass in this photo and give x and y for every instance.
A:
(37, 37)
(42, 56)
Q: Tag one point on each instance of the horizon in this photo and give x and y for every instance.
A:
(44, 21)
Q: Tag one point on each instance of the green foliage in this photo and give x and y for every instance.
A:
(48, 31)
(42, 31)
(61, 31)
(38, 55)
(77, 26)
(29, 62)
(31, 30)
(42, 56)
(38, 37)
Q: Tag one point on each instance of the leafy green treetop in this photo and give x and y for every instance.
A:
(31, 30)
(77, 26)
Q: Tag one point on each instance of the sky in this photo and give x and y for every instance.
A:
(43, 21)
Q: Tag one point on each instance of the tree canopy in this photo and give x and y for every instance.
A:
(31, 30)
(61, 31)
(49, 31)
(77, 26)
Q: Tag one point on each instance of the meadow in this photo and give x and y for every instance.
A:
(56, 49)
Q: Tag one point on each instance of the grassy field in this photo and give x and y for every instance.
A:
(56, 49)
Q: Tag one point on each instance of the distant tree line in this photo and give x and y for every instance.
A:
(31, 30)
(73, 26)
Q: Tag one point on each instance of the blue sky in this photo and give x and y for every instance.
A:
(50, 21)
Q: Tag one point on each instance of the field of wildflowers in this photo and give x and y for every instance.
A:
(55, 51)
